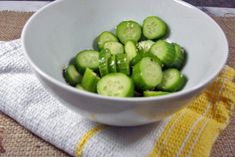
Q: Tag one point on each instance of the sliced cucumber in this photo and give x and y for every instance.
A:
(112, 64)
(87, 59)
(154, 28)
(128, 30)
(147, 74)
(172, 80)
(105, 37)
(164, 51)
(116, 85)
(130, 49)
(123, 65)
(104, 62)
(136, 59)
(114, 47)
(179, 60)
(141, 55)
(154, 93)
(89, 80)
(144, 46)
(72, 76)
(79, 86)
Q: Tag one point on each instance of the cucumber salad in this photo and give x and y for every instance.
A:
(136, 61)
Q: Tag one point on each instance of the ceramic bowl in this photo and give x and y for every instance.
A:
(58, 31)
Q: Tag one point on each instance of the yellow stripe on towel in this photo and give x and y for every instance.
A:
(84, 140)
(192, 131)
(202, 121)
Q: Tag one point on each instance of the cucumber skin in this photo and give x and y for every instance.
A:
(88, 83)
(154, 93)
(138, 78)
(141, 55)
(112, 64)
(119, 31)
(104, 62)
(82, 68)
(68, 77)
(179, 60)
(169, 49)
(121, 66)
(182, 83)
(100, 43)
(130, 92)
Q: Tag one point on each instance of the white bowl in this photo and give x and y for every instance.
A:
(58, 31)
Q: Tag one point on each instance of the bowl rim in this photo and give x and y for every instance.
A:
(176, 95)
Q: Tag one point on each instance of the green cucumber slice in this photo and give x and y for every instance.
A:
(147, 74)
(89, 80)
(123, 65)
(164, 51)
(104, 62)
(87, 59)
(105, 37)
(141, 55)
(154, 93)
(130, 49)
(154, 28)
(116, 85)
(136, 59)
(179, 60)
(79, 86)
(112, 64)
(114, 47)
(128, 30)
(72, 76)
(172, 80)
(144, 46)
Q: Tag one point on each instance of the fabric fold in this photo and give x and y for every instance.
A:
(189, 132)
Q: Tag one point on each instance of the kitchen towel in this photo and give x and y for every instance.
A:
(189, 132)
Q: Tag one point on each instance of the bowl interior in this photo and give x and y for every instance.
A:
(55, 34)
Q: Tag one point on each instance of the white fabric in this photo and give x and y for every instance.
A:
(23, 98)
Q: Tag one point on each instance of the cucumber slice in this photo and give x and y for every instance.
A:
(154, 93)
(123, 64)
(87, 59)
(136, 59)
(164, 51)
(128, 30)
(114, 47)
(105, 37)
(179, 60)
(141, 55)
(89, 80)
(154, 28)
(172, 80)
(130, 49)
(147, 74)
(144, 46)
(79, 86)
(116, 85)
(104, 62)
(112, 64)
(72, 76)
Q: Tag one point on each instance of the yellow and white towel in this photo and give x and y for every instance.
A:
(189, 133)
